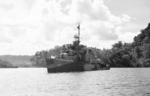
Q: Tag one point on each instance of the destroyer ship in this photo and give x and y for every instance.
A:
(75, 58)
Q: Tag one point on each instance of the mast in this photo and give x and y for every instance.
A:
(78, 32)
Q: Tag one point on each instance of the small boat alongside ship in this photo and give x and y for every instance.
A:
(75, 58)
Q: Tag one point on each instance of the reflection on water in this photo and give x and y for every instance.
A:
(36, 82)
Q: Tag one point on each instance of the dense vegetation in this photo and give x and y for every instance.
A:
(135, 54)
(5, 64)
(15, 60)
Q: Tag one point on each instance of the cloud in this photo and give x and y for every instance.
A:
(126, 18)
(34, 25)
(6, 7)
(29, 3)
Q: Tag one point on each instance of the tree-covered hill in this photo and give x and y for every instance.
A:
(17, 60)
(5, 64)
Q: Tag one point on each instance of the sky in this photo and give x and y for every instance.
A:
(28, 26)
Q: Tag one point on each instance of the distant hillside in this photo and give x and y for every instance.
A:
(5, 64)
(18, 60)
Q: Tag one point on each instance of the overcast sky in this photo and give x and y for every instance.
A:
(27, 26)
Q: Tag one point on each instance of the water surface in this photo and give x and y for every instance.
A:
(37, 82)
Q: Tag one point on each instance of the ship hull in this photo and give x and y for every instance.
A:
(59, 66)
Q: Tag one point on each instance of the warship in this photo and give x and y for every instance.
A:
(75, 58)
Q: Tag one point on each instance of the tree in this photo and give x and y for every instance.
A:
(118, 45)
(138, 52)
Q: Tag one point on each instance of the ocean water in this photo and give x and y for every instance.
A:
(37, 82)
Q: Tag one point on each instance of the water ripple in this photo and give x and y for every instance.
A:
(36, 82)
